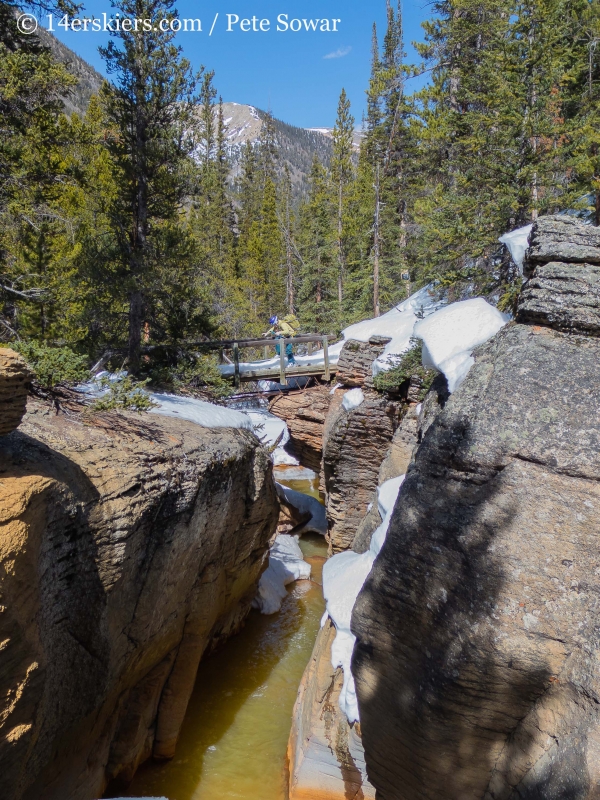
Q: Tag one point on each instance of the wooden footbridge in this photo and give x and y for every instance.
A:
(278, 374)
(283, 371)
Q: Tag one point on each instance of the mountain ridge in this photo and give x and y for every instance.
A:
(297, 146)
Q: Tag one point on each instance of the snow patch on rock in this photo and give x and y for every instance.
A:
(305, 504)
(343, 578)
(269, 429)
(202, 413)
(451, 334)
(397, 324)
(286, 564)
(517, 242)
(353, 399)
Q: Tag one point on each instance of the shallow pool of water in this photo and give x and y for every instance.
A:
(234, 737)
(300, 479)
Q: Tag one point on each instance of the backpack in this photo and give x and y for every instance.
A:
(293, 321)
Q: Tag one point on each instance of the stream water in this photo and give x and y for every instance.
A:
(234, 737)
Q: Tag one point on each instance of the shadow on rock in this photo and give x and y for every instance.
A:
(475, 663)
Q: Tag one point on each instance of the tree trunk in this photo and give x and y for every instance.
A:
(340, 246)
(289, 259)
(137, 254)
(135, 330)
(376, 249)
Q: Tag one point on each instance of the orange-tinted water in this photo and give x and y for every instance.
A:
(234, 738)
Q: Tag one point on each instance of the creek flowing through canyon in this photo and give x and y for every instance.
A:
(234, 738)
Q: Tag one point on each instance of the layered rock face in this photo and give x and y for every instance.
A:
(395, 463)
(563, 291)
(563, 239)
(476, 663)
(355, 364)
(325, 755)
(355, 444)
(14, 377)
(128, 547)
(305, 413)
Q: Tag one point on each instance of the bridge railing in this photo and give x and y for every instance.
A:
(239, 344)
(235, 345)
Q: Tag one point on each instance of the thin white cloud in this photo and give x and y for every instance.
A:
(339, 53)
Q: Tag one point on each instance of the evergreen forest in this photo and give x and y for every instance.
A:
(122, 227)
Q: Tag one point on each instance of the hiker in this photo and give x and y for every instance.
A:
(285, 328)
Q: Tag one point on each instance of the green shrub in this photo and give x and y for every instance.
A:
(508, 301)
(193, 372)
(53, 365)
(407, 365)
(124, 394)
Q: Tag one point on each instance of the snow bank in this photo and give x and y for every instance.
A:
(202, 413)
(305, 504)
(343, 578)
(451, 334)
(397, 324)
(266, 426)
(93, 387)
(353, 399)
(269, 428)
(208, 415)
(286, 564)
(517, 242)
(281, 458)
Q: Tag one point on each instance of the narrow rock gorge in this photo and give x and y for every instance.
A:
(130, 546)
(476, 663)
(362, 447)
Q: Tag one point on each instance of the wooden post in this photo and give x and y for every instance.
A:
(236, 365)
(326, 357)
(310, 344)
(282, 378)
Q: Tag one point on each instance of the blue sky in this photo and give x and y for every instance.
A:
(284, 70)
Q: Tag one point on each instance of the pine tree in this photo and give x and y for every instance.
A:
(374, 110)
(493, 136)
(273, 252)
(287, 231)
(583, 111)
(318, 304)
(32, 173)
(267, 148)
(342, 173)
(385, 173)
(151, 108)
(207, 135)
